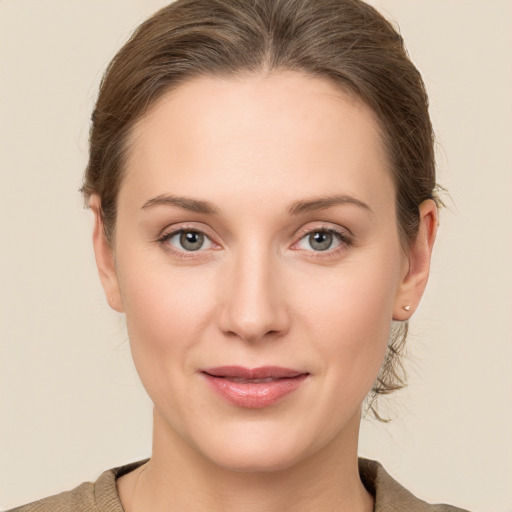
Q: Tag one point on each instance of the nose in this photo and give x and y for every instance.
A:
(253, 305)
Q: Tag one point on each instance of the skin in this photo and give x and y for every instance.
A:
(258, 292)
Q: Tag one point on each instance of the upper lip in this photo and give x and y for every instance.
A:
(263, 372)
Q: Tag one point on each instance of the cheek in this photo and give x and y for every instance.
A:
(355, 298)
(349, 315)
(166, 311)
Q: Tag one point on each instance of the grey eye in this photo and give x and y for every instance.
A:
(320, 240)
(188, 240)
(191, 240)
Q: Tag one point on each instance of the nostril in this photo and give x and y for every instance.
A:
(253, 335)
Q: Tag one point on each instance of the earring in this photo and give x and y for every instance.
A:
(407, 308)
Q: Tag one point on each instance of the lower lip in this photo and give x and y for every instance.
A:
(254, 395)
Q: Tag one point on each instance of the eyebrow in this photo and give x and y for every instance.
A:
(186, 203)
(322, 203)
(296, 208)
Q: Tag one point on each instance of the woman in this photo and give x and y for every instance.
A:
(262, 180)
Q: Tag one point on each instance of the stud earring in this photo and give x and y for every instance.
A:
(407, 308)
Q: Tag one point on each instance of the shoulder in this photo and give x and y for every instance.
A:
(79, 499)
(390, 496)
(99, 496)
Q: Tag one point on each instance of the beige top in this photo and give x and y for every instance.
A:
(102, 496)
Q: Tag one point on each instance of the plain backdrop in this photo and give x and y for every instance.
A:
(71, 404)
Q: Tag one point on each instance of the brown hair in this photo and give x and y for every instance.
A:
(345, 41)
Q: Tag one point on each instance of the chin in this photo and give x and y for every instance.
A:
(256, 460)
(257, 448)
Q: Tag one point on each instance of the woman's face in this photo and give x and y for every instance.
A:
(258, 261)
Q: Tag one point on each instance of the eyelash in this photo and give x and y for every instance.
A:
(184, 254)
(344, 239)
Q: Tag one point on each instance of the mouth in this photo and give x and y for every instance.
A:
(254, 388)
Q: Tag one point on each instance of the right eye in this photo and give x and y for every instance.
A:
(189, 240)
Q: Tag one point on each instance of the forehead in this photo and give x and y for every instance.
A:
(285, 134)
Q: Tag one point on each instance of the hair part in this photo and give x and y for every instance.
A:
(345, 41)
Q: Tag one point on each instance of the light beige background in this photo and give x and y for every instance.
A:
(71, 404)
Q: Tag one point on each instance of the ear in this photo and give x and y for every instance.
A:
(417, 263)
(105, 260)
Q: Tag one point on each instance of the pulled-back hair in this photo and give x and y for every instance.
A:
(345, 41)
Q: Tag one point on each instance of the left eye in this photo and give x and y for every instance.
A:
(189, 240)
(320, 240)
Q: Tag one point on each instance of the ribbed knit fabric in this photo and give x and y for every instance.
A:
(102, 495)
(390, 496)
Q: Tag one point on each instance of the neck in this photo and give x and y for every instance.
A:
(179, 478)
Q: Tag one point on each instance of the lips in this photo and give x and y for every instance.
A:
(253, 388)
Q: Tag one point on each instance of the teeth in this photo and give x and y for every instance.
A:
(251, 381)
